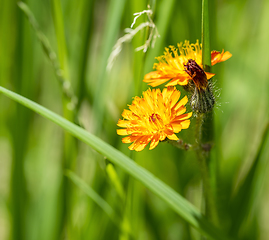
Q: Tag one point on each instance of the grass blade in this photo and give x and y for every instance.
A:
(69, 148)
(243, 201)
(206, 56)
(94, 196)
(59, 29)
(99, 201)
(115, 11)
(181, 206)
(68, 92)
(115, 181)
(162, 23)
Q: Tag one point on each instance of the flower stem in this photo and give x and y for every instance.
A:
(203, 155)
(179, 144)
(205, 129)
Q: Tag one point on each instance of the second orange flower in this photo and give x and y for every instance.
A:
(172, 65)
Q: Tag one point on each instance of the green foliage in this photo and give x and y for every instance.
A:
(185, 209)
(53, 186)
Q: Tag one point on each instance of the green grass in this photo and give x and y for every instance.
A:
(53, 186)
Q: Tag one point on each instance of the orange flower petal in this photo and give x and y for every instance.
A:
(123, 123)
(209, 75)
(153, 75)
(175, 97)
(171, 65)
(156, 82)
(182, 102)
(162, 136)
(168, 131)
(217, 56)
(180, 111)
(127, 114)
(122, 132)
(154, 141)
(173, 137)
(181, 80)
(185, 124)
(129, 139)
(140, 143)
(155, 78)
(176, 126)
(226, 56)
(183, 116)
(173, 82)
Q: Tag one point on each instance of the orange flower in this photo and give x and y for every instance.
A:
(171, 65)
(154, 117)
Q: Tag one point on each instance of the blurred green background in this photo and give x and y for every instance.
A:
(37, 201)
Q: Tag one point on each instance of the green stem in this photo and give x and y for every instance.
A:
(205, 129)
(86, 23)
(203, 155)
(180, 144)
(206, 54)
(69, 144)
(19, 126)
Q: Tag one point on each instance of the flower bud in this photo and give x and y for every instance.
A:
(202, 100)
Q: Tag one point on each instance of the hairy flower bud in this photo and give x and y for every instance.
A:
(202, 100)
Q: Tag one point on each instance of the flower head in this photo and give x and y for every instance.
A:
(154, 117)
(172, 67)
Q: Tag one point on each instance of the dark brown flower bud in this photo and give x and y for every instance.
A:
(197, 74)
(202, 100)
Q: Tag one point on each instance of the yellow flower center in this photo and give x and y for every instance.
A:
(156, 122)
